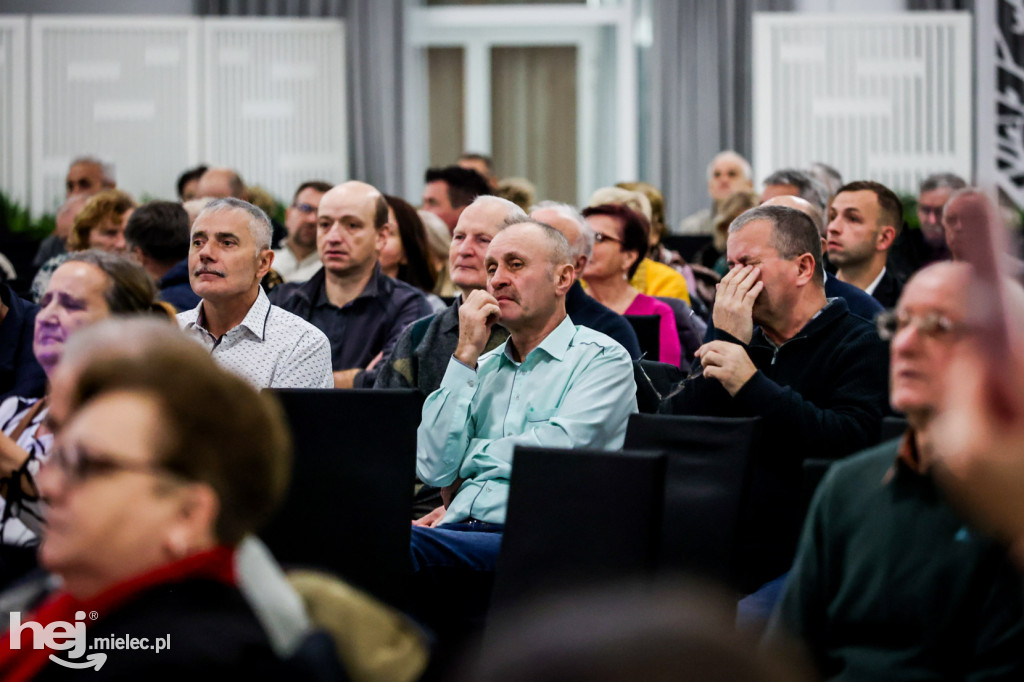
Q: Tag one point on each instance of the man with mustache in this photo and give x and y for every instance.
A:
(552, 384)
(228, 256)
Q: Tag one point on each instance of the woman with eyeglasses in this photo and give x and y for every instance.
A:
(88, 287)
(620, 242)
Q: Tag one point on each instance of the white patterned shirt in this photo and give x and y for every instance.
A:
(271, 348)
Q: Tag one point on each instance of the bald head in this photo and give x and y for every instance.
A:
(358, 192)
(221, 183)
(802, 205)
(350, 231)
(573, 227)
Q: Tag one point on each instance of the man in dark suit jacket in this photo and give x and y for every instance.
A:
(864, 220)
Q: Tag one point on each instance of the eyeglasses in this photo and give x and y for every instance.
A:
(935, 326)
(78, 464)
(600, 237)
(304, 208)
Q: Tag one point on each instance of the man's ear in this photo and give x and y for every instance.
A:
(382, 237)
(565, 275)
(263, 263)
(886, 236)
(581, 264)
(804, 269)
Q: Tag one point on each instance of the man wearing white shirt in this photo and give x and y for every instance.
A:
(297, 259)
(229, 255)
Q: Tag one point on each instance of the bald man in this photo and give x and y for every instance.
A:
(861, 303)
(360, 309)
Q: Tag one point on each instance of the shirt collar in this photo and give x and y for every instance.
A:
(907, 458)
(870, 289)
(376, 287)
(255, 320)
(555, 344)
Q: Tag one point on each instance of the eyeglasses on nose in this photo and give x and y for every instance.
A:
(933, 325)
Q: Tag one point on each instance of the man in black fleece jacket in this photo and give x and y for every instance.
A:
(815, 373)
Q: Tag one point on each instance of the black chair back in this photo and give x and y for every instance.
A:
(647, 333)
(577, 517)
(706, 485)
(349, 503)
(686, 245)
(814, 471)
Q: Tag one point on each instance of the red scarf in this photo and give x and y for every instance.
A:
(25, 663)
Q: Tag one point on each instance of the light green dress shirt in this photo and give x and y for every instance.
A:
(574, 390)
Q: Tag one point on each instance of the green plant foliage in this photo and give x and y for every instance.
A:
(910, 219)
(19, 220)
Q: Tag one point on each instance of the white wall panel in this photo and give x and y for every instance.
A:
(885, 97)
(275, 103)
(13, 97)
(120, 88)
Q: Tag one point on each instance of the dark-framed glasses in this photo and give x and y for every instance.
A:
(933, 325)
(79, 464)
(600, 237)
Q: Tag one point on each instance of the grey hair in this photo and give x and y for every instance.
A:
(106, 167)
(730, 154)
(827, 176)
(793, 234)
(259, 222)
(808, 188)
(560, 254)
(942, 181)
(585, 245)
(513, 214)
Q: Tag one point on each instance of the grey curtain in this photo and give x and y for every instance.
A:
(373, 53)
(700, 94)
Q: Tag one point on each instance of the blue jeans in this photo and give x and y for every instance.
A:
(453, 573)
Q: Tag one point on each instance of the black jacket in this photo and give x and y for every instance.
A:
(822, 394)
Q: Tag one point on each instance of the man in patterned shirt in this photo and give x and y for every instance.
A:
(228, 256)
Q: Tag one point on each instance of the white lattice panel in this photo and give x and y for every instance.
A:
(275, 100)
(13, 107)
(117, 87)
(881, 97)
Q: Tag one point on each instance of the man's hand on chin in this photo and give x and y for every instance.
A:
(477, 315)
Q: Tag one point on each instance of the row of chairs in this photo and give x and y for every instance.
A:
(672, 500)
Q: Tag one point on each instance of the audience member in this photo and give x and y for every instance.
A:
(297, 260)
(864, 219)
(20, 373)
(815, 373)
(450, 190)
(90, 286)
(482, 164)
(620, 237)
(913, 249)
(360, 309)
(582, 308)
(423, 351)
(889, 581)
(651, 278)
(56, 243)
(439, 241)
(793, 182)
(828, 176)
(405, 256)
(220, 183)
(164, 467)
(98, 225)
(89, 175)
(157, 235)
(188, 183)
(727, 173)
(713, 255)
(860, 302)
(272, 348)
(519, 191)
(562, 385)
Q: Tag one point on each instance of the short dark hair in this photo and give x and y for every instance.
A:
(808, 189)
(635, 229)
(793, 234)
(321, 186)
(216, 429)
(890, 206)
(161, 231)
(464, 184)
(188, 176)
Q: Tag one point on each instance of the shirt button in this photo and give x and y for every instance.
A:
(472, 384)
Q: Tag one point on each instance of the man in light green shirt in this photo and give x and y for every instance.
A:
(552, 384)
